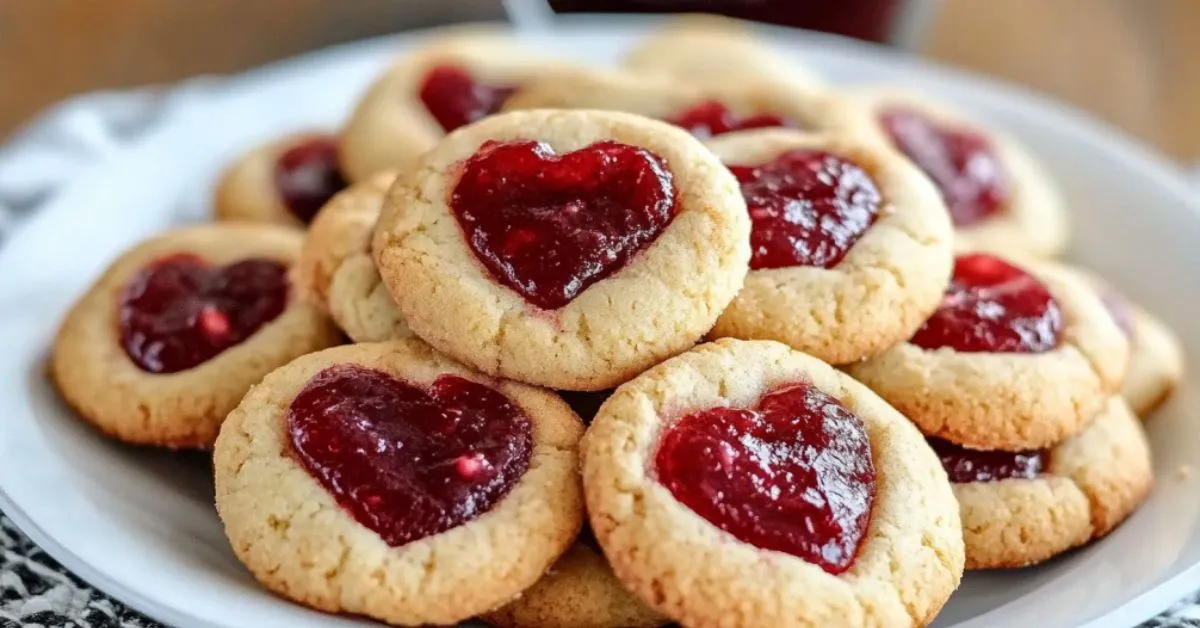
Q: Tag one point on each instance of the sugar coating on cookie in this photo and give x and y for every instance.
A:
(458, 526)
(177, 329)
(456, 78)
(701, 570)
(285, 181)
(1018, 356)
(336, 271)
(1002, 200)
(571, 249)
(1016, 513)
(851, 246)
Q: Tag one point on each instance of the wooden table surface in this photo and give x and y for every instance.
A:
(1132, 62)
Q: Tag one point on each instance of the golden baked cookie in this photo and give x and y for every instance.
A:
(568, 249)
(178, 328)
(712, 49)
(1015, 358)
(388, 481)
(579, 591)
(1022, 508)
(850, 244)
(744, 483)
(1000, 198)
(448, 82)
(285, 181)
(705, 109)
(336, 270)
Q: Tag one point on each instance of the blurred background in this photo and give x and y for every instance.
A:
(1135, 63)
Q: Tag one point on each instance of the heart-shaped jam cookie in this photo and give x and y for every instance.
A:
(794, 475)
(307, 176)
(808, 208)
(456, 98)
(973, 465)
(407, 461)
(712, 117)
(179, 312)
(549, 225)
(992, 306)
(964, 165)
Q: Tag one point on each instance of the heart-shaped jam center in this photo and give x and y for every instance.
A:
(455, 98)
(992, 306)
(807, 208)
(1120, 311)
(969, 465)
(307, 176)
(963, 165)
(795, 475)
(179, 312)
(548, 225)
(712, 117)
(409, 461)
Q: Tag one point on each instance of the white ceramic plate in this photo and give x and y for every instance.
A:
(140, 525)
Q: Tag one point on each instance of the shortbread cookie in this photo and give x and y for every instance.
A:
(176, 330)
(1155, 356)
(579, 591)
(1000, 198)
(850, 244)
(336, 270)
(449, 82)
(747, 484)
(568, 249)
(712, 50)
(704, 109)
(388, 481)
(1021, 508)
(285, 181)
(1014, 358)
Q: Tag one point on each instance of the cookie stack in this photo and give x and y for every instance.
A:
(698, 340)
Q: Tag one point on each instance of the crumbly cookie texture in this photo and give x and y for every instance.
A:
(909, 563)
(1094, 481)
(1035, 220)
(888, 284)
(299, 543)
(247, 191)
(579, 591)
(336, 271)
(390, 127)
(711, 49)
(184, 409)
(1010, 401)
(658, 305)
(813, 108)
(1155, 363)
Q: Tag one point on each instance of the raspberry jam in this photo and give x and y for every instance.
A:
(179, 312)
(969, 465)
(548, 225)
(807, 208)
(711, 118)
(794, 475)
(992, 306)
(963, 165)
(455, 98)
(408, 461)
(307, 176)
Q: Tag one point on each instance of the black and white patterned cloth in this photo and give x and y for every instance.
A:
(35, 591)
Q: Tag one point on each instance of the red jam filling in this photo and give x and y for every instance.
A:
(970, 465)
(963, 165)
(807, 208)
(1118, 308)
(549, 225)
(307, 176)
(794, 475)
(408, 461)
(711, 118)
(992, 306)
(179, 312)
(454, 98)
